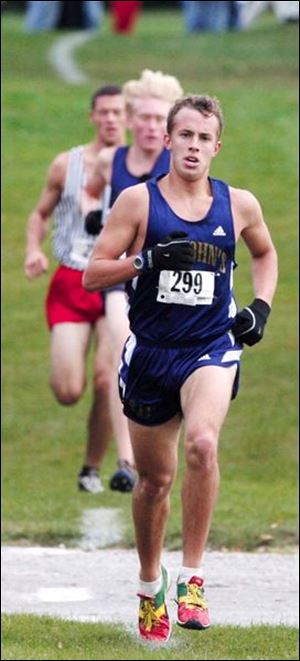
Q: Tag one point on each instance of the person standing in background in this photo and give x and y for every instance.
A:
(209, 16)
(125, 15)
(40, 16)
(285, 12)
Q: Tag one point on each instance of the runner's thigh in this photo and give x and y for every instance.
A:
(117, 319)
(103, 350)
(69, 347)
(205, 396)
(155, 448)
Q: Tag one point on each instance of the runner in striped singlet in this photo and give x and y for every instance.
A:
(73, 314)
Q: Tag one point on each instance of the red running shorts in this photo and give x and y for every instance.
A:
(68, 301)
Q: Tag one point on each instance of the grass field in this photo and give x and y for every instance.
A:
(28, 637)
(255, 76)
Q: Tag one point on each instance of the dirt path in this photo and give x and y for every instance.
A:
(62, 56)
(242, 588)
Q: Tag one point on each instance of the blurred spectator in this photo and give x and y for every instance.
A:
(125, 15)
(50, 15)
(210, 16)
(285, 11)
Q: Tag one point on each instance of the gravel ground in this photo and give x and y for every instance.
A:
(100, 585)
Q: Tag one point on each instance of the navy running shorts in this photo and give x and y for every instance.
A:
(150, 377)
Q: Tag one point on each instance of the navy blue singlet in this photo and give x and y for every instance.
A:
(178, 308)
(122, 178)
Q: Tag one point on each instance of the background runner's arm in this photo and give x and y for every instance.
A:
(123, 232)
(99, 178)
(36, 262)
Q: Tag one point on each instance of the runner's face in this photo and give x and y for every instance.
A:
(108, 117)
(148, 123)
(193, 142)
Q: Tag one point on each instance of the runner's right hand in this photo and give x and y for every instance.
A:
(174, 253)
(93, 222)
(36, 263)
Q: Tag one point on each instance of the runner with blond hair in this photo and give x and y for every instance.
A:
(147, 102)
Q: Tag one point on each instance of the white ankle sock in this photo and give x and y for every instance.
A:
(186, 573)
(149, 589)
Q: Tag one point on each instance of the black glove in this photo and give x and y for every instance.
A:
(93, 222)
(173, 253)
(249, 324)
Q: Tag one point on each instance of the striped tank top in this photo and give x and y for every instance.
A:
(72, 245)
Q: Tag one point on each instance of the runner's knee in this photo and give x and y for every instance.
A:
(102, 379)
(201, 450)
(67, 394)
(156, 487)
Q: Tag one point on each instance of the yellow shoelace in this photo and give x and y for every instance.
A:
(148, 614)
(195, 597)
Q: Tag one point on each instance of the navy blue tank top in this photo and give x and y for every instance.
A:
(122, 178)
(183, 307)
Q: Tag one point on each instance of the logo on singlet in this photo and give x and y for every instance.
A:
(219, 231)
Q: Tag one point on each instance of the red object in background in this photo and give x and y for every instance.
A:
(125, 15)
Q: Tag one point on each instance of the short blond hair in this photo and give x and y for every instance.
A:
(154, 84)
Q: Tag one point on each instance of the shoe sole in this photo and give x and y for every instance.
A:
(82, 488)
(192, 625)
(122, 487)
(121, 483)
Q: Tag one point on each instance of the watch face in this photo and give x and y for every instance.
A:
(138, 263)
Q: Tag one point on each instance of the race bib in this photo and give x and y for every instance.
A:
(186, 287)
(81, 250)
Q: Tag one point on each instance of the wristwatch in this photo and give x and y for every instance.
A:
(139, 262)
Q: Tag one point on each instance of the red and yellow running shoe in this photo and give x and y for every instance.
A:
(154, 622)
(192, 605)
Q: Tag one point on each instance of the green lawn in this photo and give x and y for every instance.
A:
(255, 76)
(29, 637)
